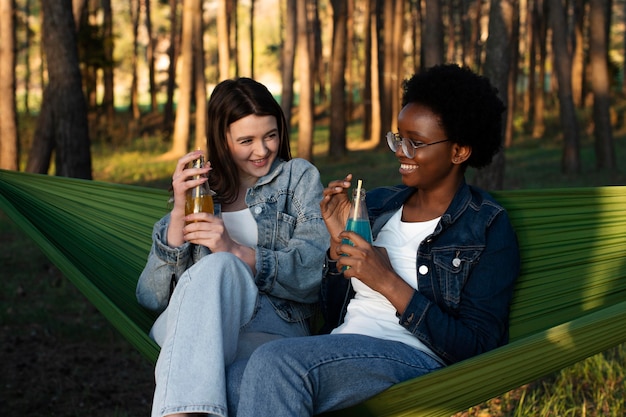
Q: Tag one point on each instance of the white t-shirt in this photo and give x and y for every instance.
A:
(369, 312)
(241, 227)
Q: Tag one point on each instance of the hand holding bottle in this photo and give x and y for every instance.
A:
(335, 208)
(184, 179)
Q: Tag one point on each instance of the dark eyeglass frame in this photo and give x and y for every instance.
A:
(393, 139)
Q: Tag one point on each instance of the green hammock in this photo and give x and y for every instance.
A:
(570, 302)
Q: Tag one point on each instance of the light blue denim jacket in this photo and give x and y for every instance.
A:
(292, 241)
(466, 272)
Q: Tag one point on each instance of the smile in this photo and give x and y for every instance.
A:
(408, 167)
(259, 162)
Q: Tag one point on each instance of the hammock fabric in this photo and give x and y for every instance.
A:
(570, 302)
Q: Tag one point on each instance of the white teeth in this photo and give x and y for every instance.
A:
(407, 166)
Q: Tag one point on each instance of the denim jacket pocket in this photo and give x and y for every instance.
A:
(453, 266)
(285, 226)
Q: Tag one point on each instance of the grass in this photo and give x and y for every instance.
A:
(42, 308)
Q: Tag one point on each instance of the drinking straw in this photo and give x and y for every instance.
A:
(357, 198)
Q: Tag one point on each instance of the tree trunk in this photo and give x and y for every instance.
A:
(512, 81)
(397, 64)
(497, 68)
(578, 63)
(150, 50)
(251, 35)
(531, 63)
(62, 124)
(200, 90)
(288, 57)
(223, 40)
(306, 108)
(134, 88)
(603, 133)
(377, 127)
(387, 65)
(172, 53)
(108, 103)
(367, 78)
(180, 139)
(432, 37)
(78, 7)
(337, 146)
(9, 151)
(570, 162)
(540, 38)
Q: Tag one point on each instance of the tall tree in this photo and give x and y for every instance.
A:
(200, 81)
(605, 150)
(570, 162)
(223, 34)
(150, 51)
(62, 123)
(108, 104)
(387, 65)
(337, 146)
(172, 53)
(497, 67)
(514, 57)
(135, 8)
(9, 152)
(288, 57)
(306, 119)
(432, 36)
(578, 55)
(540, 28)
(251, 35)
(180, 137)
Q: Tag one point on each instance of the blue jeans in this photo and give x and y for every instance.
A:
(214, 321)
(312, 375)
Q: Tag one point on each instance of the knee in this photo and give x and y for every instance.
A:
(268, 358)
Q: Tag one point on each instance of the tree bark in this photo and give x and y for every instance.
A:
(172, 53)
(180, 138)
(337, 146)
(306, 108)
(288, 57)
(150, 51)
(540, 39)
(108, 103)
(603, 133)
(62, 124)
(570, 162)
(200, 81)
(223, 40)
(497, 68)
(134, 88)
(432, 38)
(9, 144)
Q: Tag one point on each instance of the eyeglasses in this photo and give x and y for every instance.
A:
(408, 146)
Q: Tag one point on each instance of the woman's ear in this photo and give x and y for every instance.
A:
(461, 153)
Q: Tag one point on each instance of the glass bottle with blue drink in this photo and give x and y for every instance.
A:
(358, 221)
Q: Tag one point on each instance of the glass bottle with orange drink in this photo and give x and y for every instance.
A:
(199, 199)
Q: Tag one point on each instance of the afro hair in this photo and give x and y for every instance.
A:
(468, 106)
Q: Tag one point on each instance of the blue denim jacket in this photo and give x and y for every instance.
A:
(466, 272)
(292, 241)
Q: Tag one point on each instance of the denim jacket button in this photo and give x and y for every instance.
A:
(456, 262)
(258, 210)
(423, 270)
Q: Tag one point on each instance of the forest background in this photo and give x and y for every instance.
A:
(85, 78)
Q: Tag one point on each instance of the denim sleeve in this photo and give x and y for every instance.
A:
(480, 322)
(165, 264)
(294, 272)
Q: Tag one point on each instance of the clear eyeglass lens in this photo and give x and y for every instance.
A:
(394, 140)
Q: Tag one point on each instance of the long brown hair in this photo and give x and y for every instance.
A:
(230, 101)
